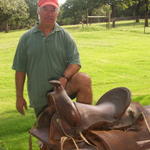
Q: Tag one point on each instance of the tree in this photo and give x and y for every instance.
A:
(146, 12)
(114, 4)
(12, 10)
(76, 10)
(32, 4)
(138, 5)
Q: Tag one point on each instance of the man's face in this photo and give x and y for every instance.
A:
(48, 14)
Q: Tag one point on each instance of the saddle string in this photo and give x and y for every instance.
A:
(68, 136)
(64, 138)
(59, 121)
(86, 141)
(147, 124)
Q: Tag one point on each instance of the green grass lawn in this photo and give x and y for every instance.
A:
(113, 58)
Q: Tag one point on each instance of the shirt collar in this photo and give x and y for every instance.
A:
(56, 28)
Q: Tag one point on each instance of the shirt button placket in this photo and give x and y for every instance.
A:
(44, 42)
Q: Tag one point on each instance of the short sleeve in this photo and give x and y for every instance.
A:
(20, 58)
(72, 51)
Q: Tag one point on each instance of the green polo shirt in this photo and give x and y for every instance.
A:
(43, 58)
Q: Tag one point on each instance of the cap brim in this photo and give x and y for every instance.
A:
(49, 3)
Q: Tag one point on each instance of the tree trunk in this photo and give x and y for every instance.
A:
(108, 14)
(137, 19)
(146, 13)
(113, 15)
(6, 27)
(87, 19)
(137, 11)
(87, 13)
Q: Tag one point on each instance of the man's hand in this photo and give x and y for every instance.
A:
(21, 105)
(63, 81)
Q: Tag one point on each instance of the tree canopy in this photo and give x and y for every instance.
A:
(13, 11)
(23, 13)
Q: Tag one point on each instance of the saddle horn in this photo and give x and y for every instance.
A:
(55, 83)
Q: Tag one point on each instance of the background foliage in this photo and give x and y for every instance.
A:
(22, 13)
(13, 13)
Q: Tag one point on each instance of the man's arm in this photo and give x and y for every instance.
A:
(20, 101)
(71, 70)
(68, 73)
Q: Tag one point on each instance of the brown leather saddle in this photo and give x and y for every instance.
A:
(69, 123)
(109, 108)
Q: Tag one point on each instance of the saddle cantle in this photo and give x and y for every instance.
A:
(112, 114)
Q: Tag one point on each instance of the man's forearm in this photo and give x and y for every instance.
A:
(71, 70)
(20, 79)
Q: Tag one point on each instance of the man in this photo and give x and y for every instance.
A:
(48, 52)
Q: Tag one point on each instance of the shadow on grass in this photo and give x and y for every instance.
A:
(77, 27)
(7, 112)
(130, 26)
(3, 146)
(12, 123)
(14, 130)
(11, 31)
(126, 24)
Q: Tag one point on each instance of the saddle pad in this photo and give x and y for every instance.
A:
(113, 140)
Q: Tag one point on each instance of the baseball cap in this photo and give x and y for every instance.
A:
(42, 3)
